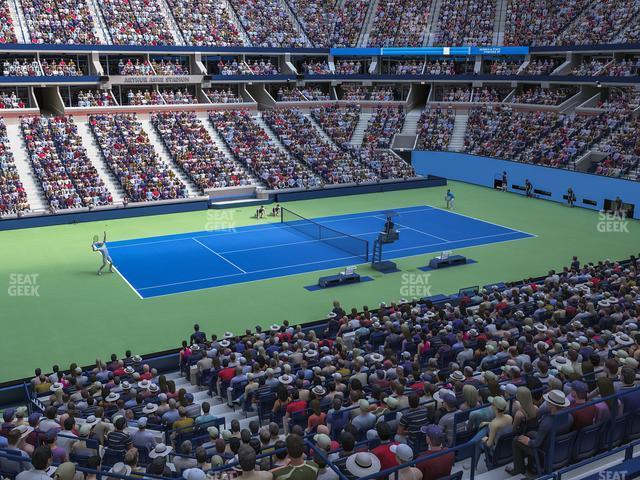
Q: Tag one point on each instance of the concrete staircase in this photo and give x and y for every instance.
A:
(219, 407)
(35, 194)
(296, 24)
(163, 154)
(171, 21)
(434, 12)
(98, 20)
(274, 138)
(320, 130)
(368, 24)
(98, 161)
(358, 133)
(411, 122)
(501, 19)
(234, 19)
(222, 146)
(457, 136)
(19, 22)
(433, 27)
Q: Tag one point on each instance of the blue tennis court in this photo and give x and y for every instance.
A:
(157, 266)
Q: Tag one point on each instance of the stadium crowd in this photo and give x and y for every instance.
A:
(435, 127)
(136, 22)
(543, 96)
(305, 143)
(205, 23)
(94, 98)
(61, 22)
(13, 197)
(508, 369)
(133, 160)
(267, 23)
(250, 144)
(385, 123)
(193, 149)
(466, 22)
(220, 95)
(400, 23)
(67, 176)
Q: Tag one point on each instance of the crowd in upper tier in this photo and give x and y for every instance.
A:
(13, 197)
(321, 24)
(193, 149)
(305, 143)
(250, 144)
(60, 162)
(133, 160)
(400, 23)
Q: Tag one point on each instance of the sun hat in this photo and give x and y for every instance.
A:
(91, 420)
(362, 464)
(318, 390)
(194, 474)
(438, 396)
(557, 398)
(56, 386)
(161, 450)
(457, 376)
(285, 379)
(85, 429)
(112, 397)
(392, 402)
(121, 469)
(623, 339)
(149, 408)
(24, 430)
(129, 370)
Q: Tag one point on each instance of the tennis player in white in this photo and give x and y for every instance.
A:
(101, 247)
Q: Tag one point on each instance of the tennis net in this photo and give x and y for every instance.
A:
(342, 241)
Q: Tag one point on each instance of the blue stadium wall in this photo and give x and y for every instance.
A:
(484, 170)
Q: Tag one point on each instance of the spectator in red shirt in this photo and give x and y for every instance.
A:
(438, 467)
(295, 405)
(586, 415)
(385, 455)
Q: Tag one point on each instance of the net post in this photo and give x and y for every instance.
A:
(282, 215)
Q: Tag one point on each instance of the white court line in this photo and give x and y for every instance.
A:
(457, 241)
(485, 221)
(217, 254)
(127, 282)
(252, 271)
(419, 231)
(299, 243)
(326, 261)
(250, 230)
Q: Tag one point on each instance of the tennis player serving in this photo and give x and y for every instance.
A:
(101, 247)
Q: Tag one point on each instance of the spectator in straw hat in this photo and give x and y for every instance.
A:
(524, 446)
